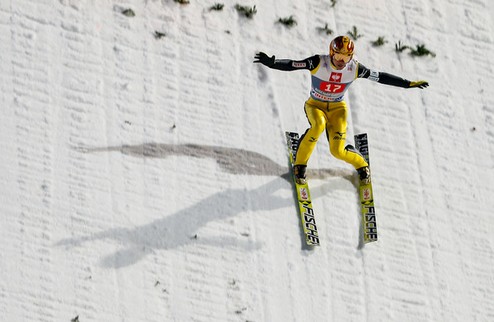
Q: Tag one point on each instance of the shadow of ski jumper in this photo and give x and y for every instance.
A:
(171, 232)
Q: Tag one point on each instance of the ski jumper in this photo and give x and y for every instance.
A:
(325, 109)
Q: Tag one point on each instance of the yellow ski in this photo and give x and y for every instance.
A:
(303, 196)
(366, 194)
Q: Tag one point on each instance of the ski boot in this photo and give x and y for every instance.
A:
(299, 173)
(364, 175)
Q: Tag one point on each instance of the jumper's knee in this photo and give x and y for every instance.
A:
(314, 132)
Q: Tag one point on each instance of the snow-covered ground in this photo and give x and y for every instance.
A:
(145, 179)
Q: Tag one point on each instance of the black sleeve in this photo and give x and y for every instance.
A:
(382, 78)
(309, 63)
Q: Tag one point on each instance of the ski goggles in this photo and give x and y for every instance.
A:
(339, 57)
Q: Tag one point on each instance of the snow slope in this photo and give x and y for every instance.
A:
(145, 179)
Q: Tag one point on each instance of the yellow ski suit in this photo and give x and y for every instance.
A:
(325, 109)
(329, 116)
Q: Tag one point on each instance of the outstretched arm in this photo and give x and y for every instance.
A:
(309, 63)
(389, 79)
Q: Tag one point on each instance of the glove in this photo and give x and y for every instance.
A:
(264, 59)
(419, 84)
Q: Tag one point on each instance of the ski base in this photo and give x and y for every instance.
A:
(303, 196)
(366, 195)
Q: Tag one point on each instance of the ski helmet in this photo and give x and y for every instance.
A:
(342, 47)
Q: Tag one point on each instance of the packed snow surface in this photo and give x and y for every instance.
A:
(144, 171)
